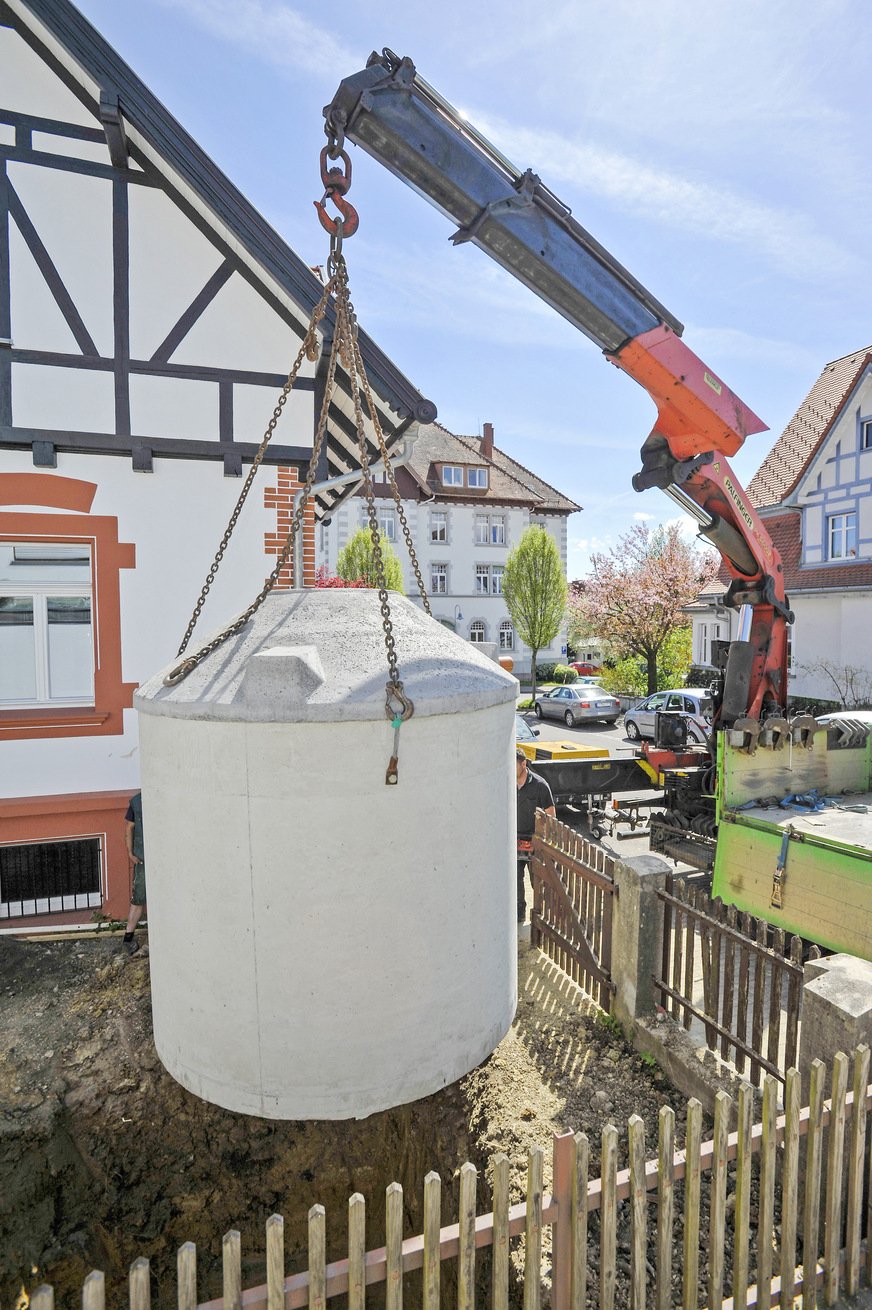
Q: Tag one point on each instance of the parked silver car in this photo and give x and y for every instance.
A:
(693, 703)
(585, 703)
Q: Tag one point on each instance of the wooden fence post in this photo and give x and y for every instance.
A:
(93, 1291)
(466, 1225)
(766, 1209)
(357, 1251)
(43, 1297)
(139, 1284)
(638, 1212)
(563, 1171)
(186, 1276)
(500, 1265)
(665, 1201)
(835, 1170)
(231, 1262)
(394, 1247)
(718, 1202)
(275, 1263)
(692, 1178)
(533, 1231)
(579, 1222)
(789, 1187)
(811, 1225)
(317, 1258)
(742, 1212)
(855, 1171)
(608, 1216)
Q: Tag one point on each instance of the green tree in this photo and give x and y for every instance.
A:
(356, 562)
(534, 585)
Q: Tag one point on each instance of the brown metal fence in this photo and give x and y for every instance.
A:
(573, 895)
(683, 1239)
(751, 980)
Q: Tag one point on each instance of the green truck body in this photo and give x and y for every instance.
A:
(806, 871)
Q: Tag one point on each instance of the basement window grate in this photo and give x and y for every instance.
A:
(49, 877)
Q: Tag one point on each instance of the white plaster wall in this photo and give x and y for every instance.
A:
(175, 516)
(29, 86)
(72, 214)
(71, 399)
(369, 967)
(832, 627)
(462, 554)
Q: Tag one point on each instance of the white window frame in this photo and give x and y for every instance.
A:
(439, 519)
(482, 579)
(477, 631)
(507, 629)
(452, 475)
(438, 571)
(477, 478)
(498, 530)
(838, 524)
(388, 528)
(40, 593)
(866, 433)
(498, 573)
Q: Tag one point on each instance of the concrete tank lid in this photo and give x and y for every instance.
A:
(319, 656)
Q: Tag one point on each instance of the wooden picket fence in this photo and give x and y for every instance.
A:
(794, 1190)
(752, 979)
(573, 905)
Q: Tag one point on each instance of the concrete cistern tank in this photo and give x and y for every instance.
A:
(322, 945)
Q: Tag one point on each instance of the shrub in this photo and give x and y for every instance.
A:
(545, 672)
(563, 673)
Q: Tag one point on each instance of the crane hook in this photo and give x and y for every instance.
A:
(336, 184)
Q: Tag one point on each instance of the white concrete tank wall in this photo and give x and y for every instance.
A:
(323, 945)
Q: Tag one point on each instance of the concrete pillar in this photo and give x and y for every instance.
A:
(637, 935)
(836, 1010)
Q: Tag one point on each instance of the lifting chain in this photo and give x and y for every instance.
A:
(345, 348)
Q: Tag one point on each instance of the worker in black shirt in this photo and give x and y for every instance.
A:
(533, 794)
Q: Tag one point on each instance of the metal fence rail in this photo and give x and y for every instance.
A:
(752, 980)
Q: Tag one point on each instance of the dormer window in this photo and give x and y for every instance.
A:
(452, 475)
(478, 477)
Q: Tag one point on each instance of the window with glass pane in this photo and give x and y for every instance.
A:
(477, 477)
(866, 434)
(476, 631)
(482, 579)
(482, 530)
(46, 631)
(387, 524)
(452, 475)
(498, 530)
(439, 579)
(843, 536)
(497, 571)
(507, 635)
(439, 526)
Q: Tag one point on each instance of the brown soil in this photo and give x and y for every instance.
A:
(104, 1158)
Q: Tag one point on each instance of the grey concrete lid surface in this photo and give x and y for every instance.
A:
(319, 656)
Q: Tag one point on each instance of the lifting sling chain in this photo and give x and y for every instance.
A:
(345, 350)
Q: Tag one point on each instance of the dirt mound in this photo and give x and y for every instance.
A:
(104, 1158)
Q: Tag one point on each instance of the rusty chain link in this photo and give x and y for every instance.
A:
(345, 348)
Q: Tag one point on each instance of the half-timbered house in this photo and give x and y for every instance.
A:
(148, 320)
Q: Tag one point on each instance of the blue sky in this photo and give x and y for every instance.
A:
(718, 148)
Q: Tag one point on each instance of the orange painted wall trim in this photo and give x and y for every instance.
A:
(47, 489)
(58, 818)
(108, 556)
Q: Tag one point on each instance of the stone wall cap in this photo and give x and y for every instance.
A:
(319, 656)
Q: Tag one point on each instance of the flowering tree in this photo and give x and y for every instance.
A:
(534, 586)
(633, 599)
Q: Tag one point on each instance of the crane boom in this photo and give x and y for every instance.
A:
(393, 114)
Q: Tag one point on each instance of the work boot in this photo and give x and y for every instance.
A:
(131, 947)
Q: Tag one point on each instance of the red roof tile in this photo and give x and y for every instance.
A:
(789, 457)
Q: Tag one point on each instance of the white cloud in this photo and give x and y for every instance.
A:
(276, 33)
(687, 526)
(730, 343)
(643, 517)
(713, 211)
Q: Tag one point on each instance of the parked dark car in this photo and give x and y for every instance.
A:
(585, 703)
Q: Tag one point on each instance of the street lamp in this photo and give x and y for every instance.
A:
(457, 615)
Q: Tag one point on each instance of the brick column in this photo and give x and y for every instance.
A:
(281, 499)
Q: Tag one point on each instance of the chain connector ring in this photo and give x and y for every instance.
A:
(180, 672)
(395, 691)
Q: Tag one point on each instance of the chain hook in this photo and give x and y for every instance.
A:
(407, 706)
(336, 184)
